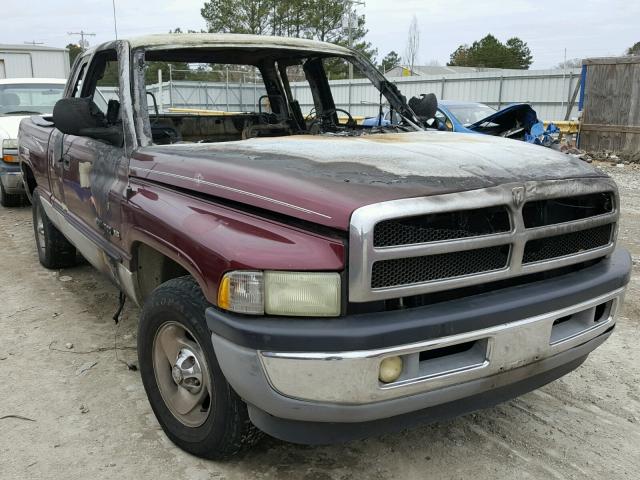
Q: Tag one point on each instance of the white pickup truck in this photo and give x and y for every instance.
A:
(20, 98)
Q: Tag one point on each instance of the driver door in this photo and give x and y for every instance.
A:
(94, 176)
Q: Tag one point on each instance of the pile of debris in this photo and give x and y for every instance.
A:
(620, 158)
(569, 147)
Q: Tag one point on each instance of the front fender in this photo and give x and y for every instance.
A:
(208, 239)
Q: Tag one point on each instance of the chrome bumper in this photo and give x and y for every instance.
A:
(352, 377)
(12, 182)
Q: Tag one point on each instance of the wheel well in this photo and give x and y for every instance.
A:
(153, 268)
(29, 178)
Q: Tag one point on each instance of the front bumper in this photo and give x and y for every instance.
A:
(296, 374)
(11, 178)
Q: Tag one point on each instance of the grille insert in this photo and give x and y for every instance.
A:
(406, 271)
(567, 244)
(441, 226)
(566, 209)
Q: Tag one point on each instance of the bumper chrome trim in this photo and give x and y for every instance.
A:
(352, 377)
(12, 182)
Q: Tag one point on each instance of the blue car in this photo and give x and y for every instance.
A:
(518, 121)
(457, 116)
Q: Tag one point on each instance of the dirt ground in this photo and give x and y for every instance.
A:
(89, 416)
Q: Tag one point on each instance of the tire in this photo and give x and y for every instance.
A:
(54, 250)
(10, 199)
(172, 334)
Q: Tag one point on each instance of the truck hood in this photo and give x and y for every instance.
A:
(323, 178)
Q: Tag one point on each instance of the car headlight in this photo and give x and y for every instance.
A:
(308, 294)
(9, 150)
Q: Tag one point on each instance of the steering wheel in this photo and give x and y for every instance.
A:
(351, 123)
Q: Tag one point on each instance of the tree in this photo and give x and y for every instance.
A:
(390, 61)
(314, 19)
(489, 52)
(634, 50)
(74, 51)
(237, 16)
(413, 43)
(571, 63)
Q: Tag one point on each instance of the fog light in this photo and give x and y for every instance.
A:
(390, 369)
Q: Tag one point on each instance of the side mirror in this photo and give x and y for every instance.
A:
(81, 117)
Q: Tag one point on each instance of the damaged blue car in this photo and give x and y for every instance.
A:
(517, 121)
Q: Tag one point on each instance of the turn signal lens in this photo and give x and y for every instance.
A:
(10, 156)
(390, 369)
(242, 292)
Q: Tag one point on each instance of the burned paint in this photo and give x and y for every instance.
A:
(333, 176)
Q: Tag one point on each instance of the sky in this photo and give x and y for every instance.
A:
(585, 28)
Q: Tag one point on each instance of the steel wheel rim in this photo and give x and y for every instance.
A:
(182, 374)
(40, 238)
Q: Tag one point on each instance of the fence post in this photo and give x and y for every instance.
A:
(444, 80)
(500, 92)
(226, 87)
(161, 107)
(170, 85)
(241, 89)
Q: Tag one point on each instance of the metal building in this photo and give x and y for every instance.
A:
(33, 61)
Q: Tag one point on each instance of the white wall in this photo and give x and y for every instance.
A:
(34, 63)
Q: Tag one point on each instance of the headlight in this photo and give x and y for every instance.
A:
(11, 143)
(308, 294)
(10, 150)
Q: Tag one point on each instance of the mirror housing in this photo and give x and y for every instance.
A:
(81, 117)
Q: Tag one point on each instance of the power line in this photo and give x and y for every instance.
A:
(83, 43)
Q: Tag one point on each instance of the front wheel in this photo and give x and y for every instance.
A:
(189, 395)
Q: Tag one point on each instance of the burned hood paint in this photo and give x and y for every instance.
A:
(324, 178)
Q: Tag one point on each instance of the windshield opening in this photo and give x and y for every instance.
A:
(25, 99)
(208, 95)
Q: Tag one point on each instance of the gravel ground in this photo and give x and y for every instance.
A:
(89, 416)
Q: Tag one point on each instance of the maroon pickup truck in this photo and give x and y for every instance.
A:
(303, 275)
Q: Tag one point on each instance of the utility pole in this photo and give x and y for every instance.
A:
(83, 43)
(350, 4)
(350, 15)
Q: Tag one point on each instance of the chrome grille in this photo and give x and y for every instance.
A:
(423, 245)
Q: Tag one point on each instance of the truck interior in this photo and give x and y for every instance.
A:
(247, 93)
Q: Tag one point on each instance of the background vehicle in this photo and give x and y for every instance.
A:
(517, 121)
(459, 116)
(19, 98)
(315, 280)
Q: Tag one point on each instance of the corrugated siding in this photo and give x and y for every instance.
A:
(36, 63)
(16, 65)
(548, 92)
(50, 64)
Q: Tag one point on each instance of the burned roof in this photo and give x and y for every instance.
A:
(213, 40)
